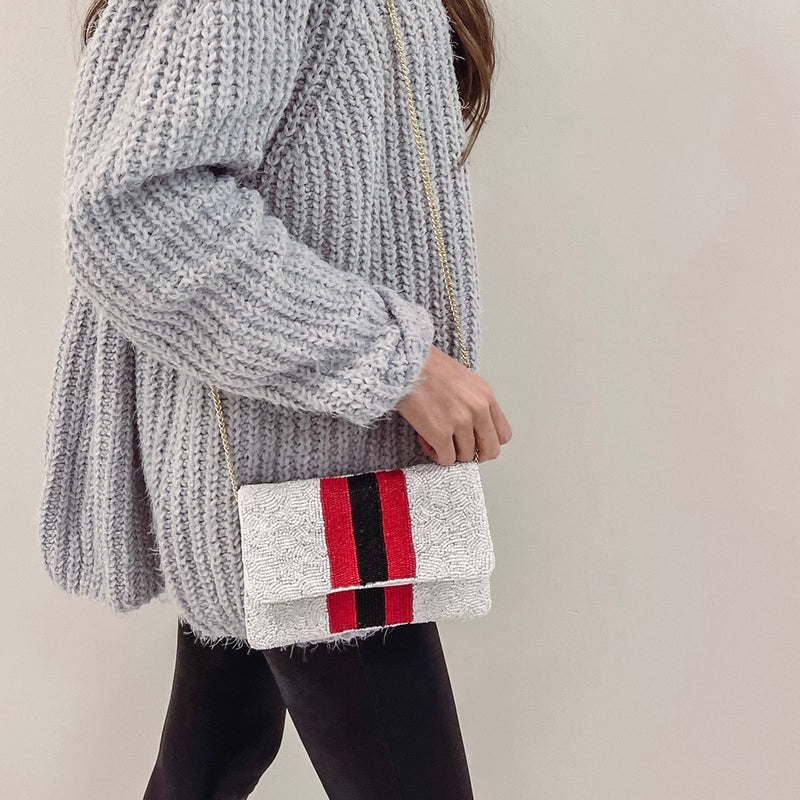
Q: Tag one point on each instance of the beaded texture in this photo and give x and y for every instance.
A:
(326, 558)
(242, 207)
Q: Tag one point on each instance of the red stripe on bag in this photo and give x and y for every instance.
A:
(342, 611)
(335, 499)
(399, 603)
(400, 555)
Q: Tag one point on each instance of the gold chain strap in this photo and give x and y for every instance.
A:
(437, 230)
(426, 179)
(226, 444)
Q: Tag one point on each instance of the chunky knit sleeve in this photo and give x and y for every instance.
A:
(175, 104)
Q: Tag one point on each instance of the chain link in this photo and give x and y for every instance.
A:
(437, 231)
(426, 179)
(226, 445)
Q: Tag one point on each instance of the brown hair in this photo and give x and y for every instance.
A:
(473, 58)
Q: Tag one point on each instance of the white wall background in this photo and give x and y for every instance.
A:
(636, 191)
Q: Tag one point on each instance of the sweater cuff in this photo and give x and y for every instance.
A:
(381, 385)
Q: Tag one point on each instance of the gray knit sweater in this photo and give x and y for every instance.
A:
(242, 206)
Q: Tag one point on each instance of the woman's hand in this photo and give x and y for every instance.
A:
(452, 409)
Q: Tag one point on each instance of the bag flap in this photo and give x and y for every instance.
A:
(309, 537)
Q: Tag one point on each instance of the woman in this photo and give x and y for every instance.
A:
(243, 208)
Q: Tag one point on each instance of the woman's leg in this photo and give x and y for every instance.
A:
(223, 726)
(377, 718)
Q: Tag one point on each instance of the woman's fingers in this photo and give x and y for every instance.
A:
(445, 447)
(478, 430)
(487, 437)
(464, 436)
(501, 424)
(453, 410)
(429, 451)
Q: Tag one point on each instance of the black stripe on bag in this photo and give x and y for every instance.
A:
(370, 607)
(365, 509)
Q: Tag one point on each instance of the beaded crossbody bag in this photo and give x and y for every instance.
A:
(329, 558)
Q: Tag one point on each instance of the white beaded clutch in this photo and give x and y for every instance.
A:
(328, 558)
(325, 557)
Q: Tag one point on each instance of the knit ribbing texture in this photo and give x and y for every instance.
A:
(242, 206)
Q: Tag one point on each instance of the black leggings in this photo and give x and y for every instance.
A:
(377, 719)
